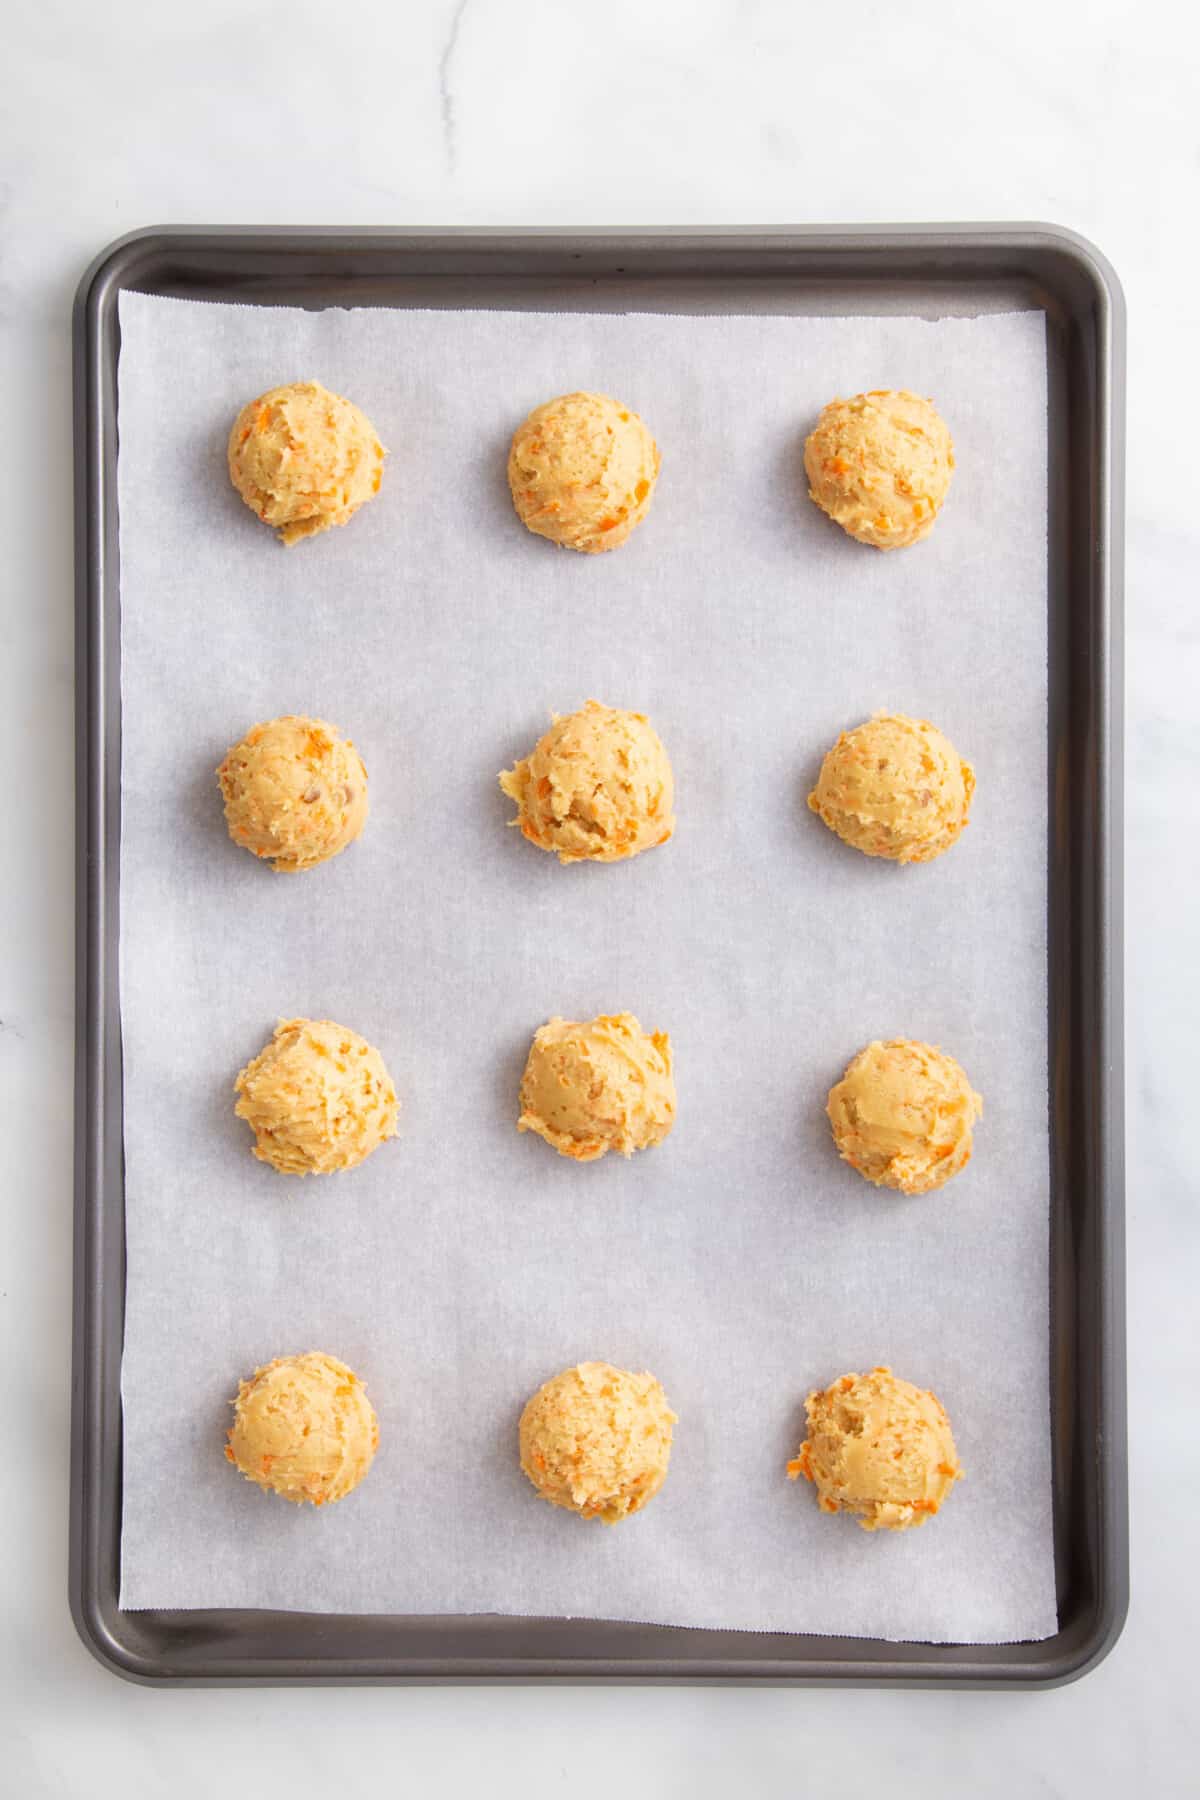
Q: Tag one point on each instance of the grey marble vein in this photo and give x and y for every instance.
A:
(449, 106)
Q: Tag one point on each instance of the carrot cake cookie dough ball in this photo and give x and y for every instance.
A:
(318, 1098)
(879, 1448)
(295, 792)
(582, 470)
(591, 1088)
(597, 1440)
(880, 466)
(304, 1428)
(597, 787)
(304, 459)
(895, 787)
(903, 1116)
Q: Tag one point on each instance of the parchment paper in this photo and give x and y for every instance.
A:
(463, 1264)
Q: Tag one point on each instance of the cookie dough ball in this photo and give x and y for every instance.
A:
(879, 1448)
(895, 787)
(317, 1098)
(880, 466)
(591, 1088)
(597, 1440)
(295, 792)
(903, 1114)
(304, 1428)
(304, 459)
(597, 788)
(582, 470)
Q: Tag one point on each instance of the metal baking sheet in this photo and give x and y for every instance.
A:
(928, 270)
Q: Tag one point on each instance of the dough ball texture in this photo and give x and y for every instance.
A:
(582, 470)
(597, 787)
(295, 792)
(591, 1088)
(895, 787)
(903, 1115)
(879, 1448)
(304, 459)
(304, 1428)
(880, 466)
(597, 1440)
(318, 1098)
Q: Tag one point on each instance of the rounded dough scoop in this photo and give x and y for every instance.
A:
(295, 792)
(596, 1440)
(903, 1115)
(880, 466)
(318, 1098)
(878, 1448)
(304, 459)
(582, 469)
(597, 787)
(895, 787)
(303, 1428)
(589, 1088)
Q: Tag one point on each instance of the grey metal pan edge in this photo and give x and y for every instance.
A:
(1072, 281)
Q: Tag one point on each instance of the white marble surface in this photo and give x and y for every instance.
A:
(486, 112)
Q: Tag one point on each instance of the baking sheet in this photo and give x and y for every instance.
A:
(462, 1264)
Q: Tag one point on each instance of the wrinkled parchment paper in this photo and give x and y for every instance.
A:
(463, 1264)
